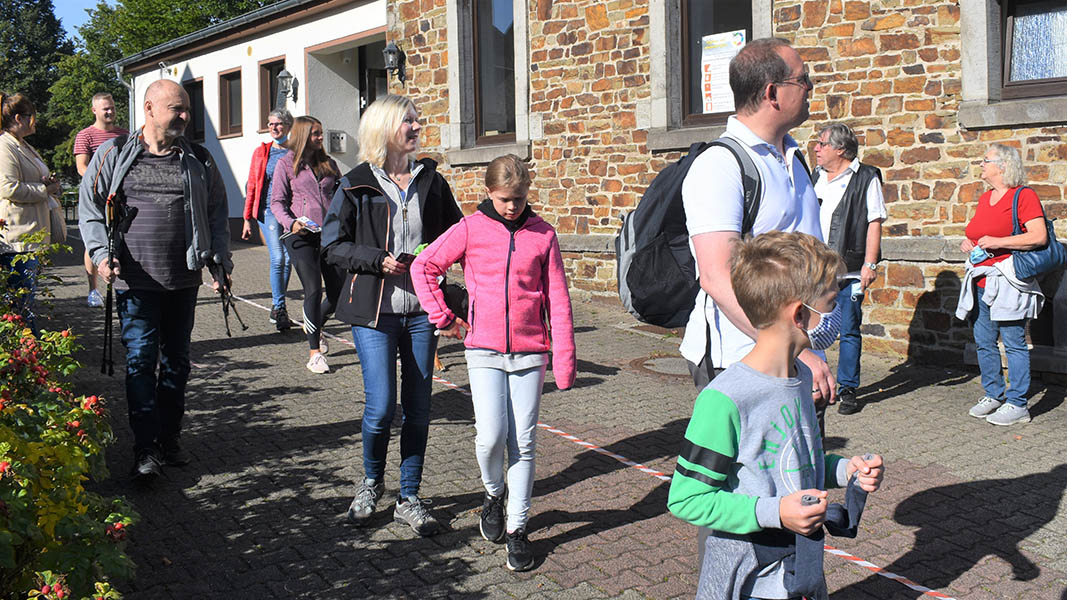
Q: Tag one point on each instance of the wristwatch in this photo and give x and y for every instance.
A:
(871, 266)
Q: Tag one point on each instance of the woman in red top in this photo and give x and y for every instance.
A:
(991, 231)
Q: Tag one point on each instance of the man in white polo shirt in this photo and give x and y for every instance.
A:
(851, 212)
(771, 87)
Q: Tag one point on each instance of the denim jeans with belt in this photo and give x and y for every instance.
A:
(412, 337)
(156, 327)
(1013, 333)
(851, 346)
(280, 265)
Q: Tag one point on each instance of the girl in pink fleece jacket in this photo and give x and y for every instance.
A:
(519, 310)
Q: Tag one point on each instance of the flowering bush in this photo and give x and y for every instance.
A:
(57, 540)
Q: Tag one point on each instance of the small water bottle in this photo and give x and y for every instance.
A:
(857, 290)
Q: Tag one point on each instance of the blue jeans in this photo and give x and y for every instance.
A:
(1013, 333)
(280, 266)
(156, 327)
(412, 336)
(851, 346)
(22, 279)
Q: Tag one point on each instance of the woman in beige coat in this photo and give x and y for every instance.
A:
(27, 193)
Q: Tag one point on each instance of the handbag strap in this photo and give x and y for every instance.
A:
(1016, 227)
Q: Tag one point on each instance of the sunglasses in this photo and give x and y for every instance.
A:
(802, 80)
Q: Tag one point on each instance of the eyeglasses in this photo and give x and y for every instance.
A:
(819, 143)
(273, 125)
(802, 80)
(990, 160)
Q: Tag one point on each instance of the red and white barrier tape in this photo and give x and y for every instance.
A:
(663, 477)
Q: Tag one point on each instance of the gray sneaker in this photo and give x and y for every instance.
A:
(362, 507)
(984, 407)
(1009, 414)
(412, 512)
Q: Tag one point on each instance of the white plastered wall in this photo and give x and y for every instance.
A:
(327, 85)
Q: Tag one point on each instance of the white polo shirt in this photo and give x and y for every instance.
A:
(830, 192)
(713, 198)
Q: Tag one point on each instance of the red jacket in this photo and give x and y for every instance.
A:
(257, 181)
(517, 288)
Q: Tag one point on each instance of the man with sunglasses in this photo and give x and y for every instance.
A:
(771, 88)
(852, 210)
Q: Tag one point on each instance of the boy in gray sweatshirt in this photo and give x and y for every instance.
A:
(752, 466)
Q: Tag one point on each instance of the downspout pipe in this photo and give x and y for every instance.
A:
(132, 96)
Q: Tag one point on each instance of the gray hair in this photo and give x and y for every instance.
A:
(285, 116)
(842, 138)
(1011, 164)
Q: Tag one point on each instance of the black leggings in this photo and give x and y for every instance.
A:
(305, 251)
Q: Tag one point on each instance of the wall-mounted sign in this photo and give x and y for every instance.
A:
(716, 51)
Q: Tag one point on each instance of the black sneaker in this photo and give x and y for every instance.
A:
(520, 555)
(847, 403)
(173, 453)
(281, 318)
(146, 466)
(492, 522)
(273, 315)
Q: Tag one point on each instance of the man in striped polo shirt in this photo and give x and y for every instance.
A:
(85, 145)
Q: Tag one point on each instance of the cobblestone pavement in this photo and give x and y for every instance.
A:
(968, 509)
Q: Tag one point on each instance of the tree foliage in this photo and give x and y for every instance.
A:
(32, 42)
(115, 30)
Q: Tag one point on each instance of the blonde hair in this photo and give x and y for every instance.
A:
(507, 171)
(776, 268)
(303, 156)
(379, 124)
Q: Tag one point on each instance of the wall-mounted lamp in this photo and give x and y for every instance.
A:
(395, 60)
(287, 87)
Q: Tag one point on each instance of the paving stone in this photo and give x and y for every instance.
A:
(967, 508)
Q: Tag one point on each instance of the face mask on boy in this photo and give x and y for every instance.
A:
(825, 332)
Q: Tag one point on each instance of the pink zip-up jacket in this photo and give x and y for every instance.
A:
(517, 288)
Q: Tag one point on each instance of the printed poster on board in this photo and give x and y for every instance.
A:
(716, 51)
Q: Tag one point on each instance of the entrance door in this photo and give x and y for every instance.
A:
(373, 78)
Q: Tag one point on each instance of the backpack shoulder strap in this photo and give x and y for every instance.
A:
(750, 180)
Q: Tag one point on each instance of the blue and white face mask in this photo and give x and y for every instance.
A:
(825, 332)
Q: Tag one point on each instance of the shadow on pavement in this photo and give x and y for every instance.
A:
(961, 524)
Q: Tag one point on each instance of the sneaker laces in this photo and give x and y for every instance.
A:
(490, 502)
(416, 507)
(367, 493)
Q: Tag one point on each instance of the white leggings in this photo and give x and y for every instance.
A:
(505, 410)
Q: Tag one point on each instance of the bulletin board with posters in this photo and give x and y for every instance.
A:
(716, 51)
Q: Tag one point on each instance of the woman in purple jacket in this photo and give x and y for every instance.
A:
(303, 185)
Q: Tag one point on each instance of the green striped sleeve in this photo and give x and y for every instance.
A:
(707, 458)
(834, 469)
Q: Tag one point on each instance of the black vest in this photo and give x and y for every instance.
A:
(848, 225)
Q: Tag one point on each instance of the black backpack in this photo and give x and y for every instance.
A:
(656, 272)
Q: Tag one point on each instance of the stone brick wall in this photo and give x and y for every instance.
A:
(890, 69)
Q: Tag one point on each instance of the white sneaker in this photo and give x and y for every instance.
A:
(317, 364)
(1009, 414)
(323, 346)
(984, 407)
(95, 299)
